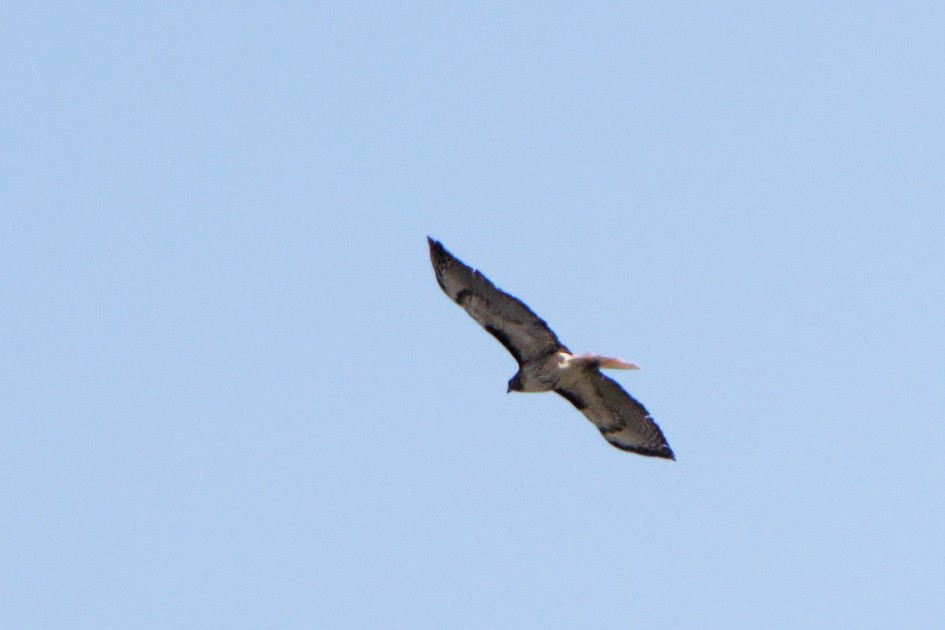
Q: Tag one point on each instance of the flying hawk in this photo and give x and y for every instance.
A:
(544, 364)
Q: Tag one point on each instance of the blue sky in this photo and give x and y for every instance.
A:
(233, 396)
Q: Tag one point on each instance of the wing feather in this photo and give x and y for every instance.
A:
(620, 418)
(525, 335)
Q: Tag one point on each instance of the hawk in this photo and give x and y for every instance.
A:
(545, 364)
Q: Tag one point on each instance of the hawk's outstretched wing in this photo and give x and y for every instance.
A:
(622, 420)
(507, 318)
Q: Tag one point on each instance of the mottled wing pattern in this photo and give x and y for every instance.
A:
(507, 318)
(623, 421)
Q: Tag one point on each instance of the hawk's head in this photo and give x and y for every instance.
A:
(515, 384)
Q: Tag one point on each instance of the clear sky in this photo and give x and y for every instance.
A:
(233, 396)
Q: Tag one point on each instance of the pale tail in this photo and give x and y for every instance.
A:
(617, 364)
(611, 363)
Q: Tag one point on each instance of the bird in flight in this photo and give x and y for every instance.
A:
(544, 364)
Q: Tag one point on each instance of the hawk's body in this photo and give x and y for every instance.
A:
(545, 364)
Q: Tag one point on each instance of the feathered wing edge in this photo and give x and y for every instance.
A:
(525, 335)
(620, 418)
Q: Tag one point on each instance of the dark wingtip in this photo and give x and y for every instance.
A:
(440, 256)
(438, 253)
(436, 248)
(441, 259)
(663, 452)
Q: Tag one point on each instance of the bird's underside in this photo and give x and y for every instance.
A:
(545, 364)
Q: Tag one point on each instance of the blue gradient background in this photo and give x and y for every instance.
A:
(233, 396)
